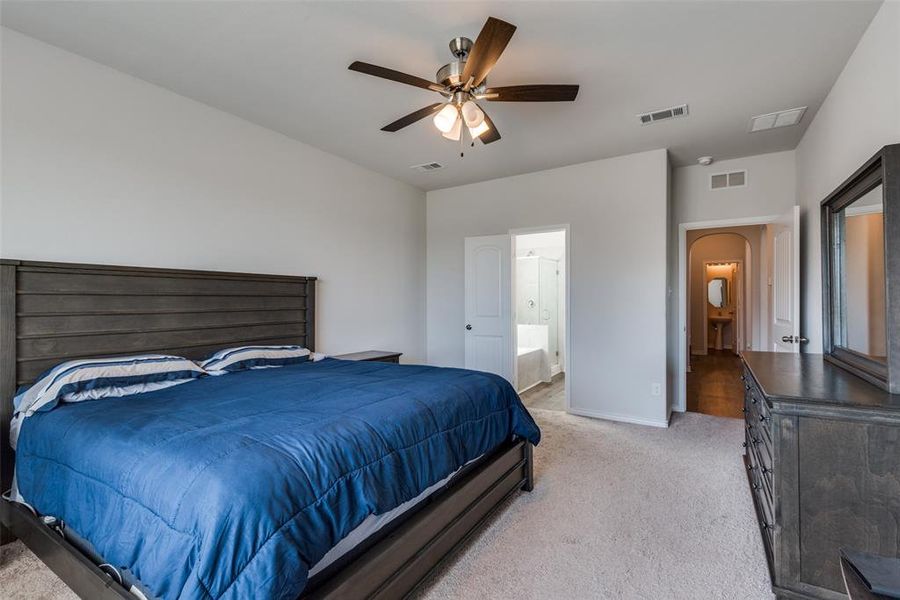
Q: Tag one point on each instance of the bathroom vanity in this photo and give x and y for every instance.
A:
(822, 431)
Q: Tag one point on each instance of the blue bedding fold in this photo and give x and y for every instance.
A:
(235, 486)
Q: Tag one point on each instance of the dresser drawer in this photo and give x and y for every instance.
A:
(757, 415)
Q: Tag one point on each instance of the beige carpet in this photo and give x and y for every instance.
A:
(618, 511)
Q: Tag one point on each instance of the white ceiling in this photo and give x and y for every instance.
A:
(283, 65)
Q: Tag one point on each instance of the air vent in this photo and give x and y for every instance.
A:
(663, 114)
(782, 118)
(720, 181)
(426, 167)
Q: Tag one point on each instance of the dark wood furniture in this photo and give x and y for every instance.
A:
(51, 312)
(372, 356)
(880, 175)
(870, 577)
(823, 462)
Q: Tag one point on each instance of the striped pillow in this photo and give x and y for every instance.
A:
(254, 357)
(94, 378)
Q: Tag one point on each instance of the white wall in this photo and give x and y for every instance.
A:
(859, 116)
(770, 189)
(617, 212)
(101, 167)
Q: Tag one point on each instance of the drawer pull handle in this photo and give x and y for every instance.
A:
(768, 526)
(744, 410)
(753, 400)
(743, 444)
(750, 467)
(756, 441)
(763, 418)
(765, 470)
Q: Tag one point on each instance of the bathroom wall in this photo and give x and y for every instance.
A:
(550, 245)
(731, 272)
(724, 244)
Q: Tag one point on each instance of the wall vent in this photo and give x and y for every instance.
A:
(426, 167)
(720, 181)
(663, 114)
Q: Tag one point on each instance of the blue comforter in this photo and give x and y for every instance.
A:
(234, 486)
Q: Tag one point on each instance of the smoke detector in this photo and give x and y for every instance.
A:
(782, 118)
(705, 160)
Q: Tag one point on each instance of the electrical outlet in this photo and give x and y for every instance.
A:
(655, 389)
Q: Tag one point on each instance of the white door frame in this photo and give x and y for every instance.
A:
(680, 403)
(569, 358)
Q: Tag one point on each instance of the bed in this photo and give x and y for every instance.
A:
(435, 450)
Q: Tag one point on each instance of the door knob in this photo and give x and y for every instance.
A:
(790, 339)
(468, 327)
(787, 339)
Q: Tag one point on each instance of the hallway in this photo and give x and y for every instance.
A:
(714, 384)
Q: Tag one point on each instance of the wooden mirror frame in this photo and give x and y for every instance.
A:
(882, 169)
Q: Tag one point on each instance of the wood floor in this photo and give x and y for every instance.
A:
(714, 384)
(547, 396)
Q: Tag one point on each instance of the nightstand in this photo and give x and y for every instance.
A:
(372, 356)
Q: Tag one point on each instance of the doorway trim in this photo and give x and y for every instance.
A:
(569, 357)
(680, 403)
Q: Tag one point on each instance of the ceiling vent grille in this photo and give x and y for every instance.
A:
(426, 167)
(663, 114)
(782, 118)
(721, 181)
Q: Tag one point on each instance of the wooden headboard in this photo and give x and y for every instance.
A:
(53, 312)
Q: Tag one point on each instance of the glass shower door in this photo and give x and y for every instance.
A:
(549, 304)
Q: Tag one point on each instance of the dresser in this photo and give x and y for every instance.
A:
(822, 454)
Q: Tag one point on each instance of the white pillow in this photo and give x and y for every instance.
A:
(254, 357)
(94, 378)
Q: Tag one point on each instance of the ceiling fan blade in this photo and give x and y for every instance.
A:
(488, 47)
(393, 75)
(530, 93)
(491, 135)
(413, 117)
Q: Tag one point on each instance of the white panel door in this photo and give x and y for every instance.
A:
(785, 288)
(488, 326)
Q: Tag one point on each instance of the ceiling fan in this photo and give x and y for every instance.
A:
(463, 81)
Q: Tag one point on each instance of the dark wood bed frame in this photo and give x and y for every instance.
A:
(52, 312)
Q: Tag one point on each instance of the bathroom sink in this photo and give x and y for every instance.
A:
(719, 322)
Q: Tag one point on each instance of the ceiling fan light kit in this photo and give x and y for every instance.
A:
(463, 81)
(446, 118)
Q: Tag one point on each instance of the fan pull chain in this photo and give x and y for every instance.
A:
(462, 141)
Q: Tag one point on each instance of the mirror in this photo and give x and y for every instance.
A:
(858, 286)
(717, 292)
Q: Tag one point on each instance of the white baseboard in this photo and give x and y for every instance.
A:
(555, 370)
(596, 414)
(529, 387)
